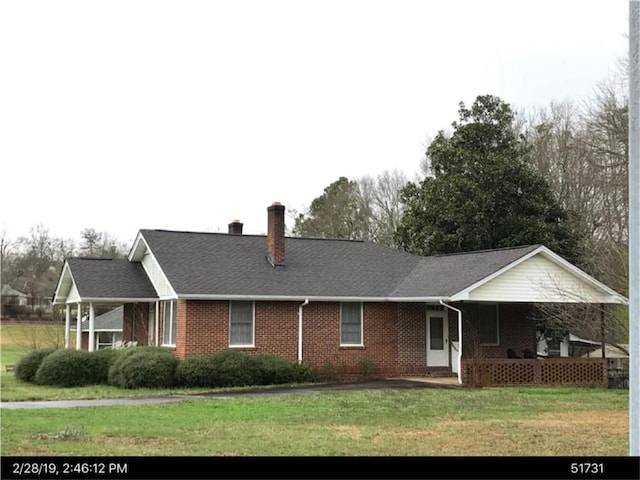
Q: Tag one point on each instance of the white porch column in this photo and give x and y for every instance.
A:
(92, 333)
(67, 325)
(157, 323)
(79, 328)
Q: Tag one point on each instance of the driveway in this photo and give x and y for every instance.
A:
(387, 384)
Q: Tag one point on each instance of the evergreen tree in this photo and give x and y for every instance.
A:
(481, 193)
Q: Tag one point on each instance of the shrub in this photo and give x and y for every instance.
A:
(69, 368)
(276, 370)
(28, 365)
(368, 368)
(105, 358)
(231, 368)
(146, 367)
(228, 368)
(114, 373)
(235, 369)
(197, 372)
(304, 373)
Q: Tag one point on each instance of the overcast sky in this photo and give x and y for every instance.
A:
(121, 115)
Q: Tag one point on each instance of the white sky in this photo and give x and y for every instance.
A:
(121, 115)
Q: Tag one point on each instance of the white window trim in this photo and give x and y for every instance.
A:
(164, 316)
(253, 328)
(361, 344)
(495, 305)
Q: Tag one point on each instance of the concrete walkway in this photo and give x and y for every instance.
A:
(387, 384)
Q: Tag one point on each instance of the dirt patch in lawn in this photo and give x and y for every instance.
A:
(348, 431)
(124, 440)
(545, 434)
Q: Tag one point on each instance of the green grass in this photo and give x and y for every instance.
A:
(457, 422)
(538, 422)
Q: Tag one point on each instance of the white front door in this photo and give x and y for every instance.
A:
(437, 339)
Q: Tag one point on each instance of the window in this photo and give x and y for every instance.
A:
(351, 324)
(169, 323)
(241, 324)
(108, 339)
(489, 325)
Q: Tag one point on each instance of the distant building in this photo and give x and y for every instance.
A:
(11, 296)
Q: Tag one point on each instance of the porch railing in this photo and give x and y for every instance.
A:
(565, 371)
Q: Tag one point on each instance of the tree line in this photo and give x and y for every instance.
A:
(32, 263)
(556, 176)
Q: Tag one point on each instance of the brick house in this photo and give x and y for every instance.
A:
(334, 304)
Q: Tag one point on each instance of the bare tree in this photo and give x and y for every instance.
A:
(382, 195)
(582, 149)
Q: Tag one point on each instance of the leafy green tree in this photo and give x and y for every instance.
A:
(481, 193)
(340, 212)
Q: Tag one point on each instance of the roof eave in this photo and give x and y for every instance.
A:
(313, 298)
(119, 300)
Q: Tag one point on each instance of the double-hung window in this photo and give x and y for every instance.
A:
(351, 323)
(489, 323)
(241, 324)
(169, 323)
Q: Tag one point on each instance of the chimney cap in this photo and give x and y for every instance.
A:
(276, 204)
(235, 220)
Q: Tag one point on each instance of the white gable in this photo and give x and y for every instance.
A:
(73, 295)
(157, 276)
(141, 252)
(63, 289)
(541, 277)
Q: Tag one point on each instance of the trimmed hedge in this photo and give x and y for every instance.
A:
(144, 367)
(105, 358)
(70, 368)
(276, 370)
(197, 372)
(228, 368)
(28, 365)
(231, 368)
(156, 367)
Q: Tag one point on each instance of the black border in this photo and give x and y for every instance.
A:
(375, 468)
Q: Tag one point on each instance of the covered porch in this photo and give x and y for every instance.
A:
(494, 338)
(87, 284)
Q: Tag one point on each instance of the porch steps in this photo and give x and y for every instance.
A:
(439, 372)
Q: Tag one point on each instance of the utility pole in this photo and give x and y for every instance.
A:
(634, 227)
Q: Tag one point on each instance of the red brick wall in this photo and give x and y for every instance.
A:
(135, 323)
(321, 338)
(412, 338)
(394, 334)
(203, 328)
(516, 330)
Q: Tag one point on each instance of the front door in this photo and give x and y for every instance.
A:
(437, 339)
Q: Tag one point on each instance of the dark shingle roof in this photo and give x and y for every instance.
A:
(110, 278)
(446, 275)
(109, 321)
(221, 264)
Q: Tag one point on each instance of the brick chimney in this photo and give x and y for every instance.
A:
(275, 234)
(235, 227)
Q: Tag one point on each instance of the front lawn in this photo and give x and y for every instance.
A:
(457, 422)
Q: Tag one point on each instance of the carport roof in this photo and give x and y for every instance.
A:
(103, 279)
